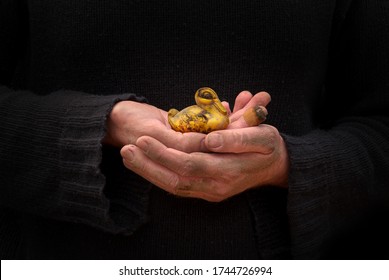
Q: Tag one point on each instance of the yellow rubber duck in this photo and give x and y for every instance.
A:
(208, 115)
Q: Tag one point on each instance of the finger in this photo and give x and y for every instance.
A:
(260, 139)
(184, 164)
(201, 175)
(251, 117)
(227, 106)
(260, 99)
(197, 187)
(135, 160)
(234, 176)
(215, 180)
(241, 100)
(199, 165)
(186, 142)
(212, 191)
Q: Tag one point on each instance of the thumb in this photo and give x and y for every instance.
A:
(259, 139)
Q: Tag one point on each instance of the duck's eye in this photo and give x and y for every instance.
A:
(206, 95)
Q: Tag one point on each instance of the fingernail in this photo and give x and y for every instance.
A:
(214, 141)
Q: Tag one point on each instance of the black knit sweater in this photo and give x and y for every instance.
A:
(64, 64)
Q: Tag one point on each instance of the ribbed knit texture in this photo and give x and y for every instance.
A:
(52, 153)
(10, 236)
(64, 64)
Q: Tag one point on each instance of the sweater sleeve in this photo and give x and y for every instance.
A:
(339, 171)
(52, 162)
(51, 157)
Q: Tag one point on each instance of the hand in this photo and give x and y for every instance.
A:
(243, 158)
(130, 120)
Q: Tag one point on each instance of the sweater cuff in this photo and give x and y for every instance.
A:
(321, 195)
(82, 182)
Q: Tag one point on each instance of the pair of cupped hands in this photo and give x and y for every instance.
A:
(212, 166)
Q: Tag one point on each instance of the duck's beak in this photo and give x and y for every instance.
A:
(220, 107)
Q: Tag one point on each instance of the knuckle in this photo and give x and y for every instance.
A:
(268, 139)
(190, 142)
(188, 167)
(271, 131)
(272, 138)
(221, 192)
(183, 145)
(143, 166)
(186, 146)
(158, 156)
(172, 182)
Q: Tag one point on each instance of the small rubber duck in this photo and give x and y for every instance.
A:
(208, 115)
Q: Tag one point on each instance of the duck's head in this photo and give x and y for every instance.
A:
(206, 97)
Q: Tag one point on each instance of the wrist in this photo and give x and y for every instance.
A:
(115, 122)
